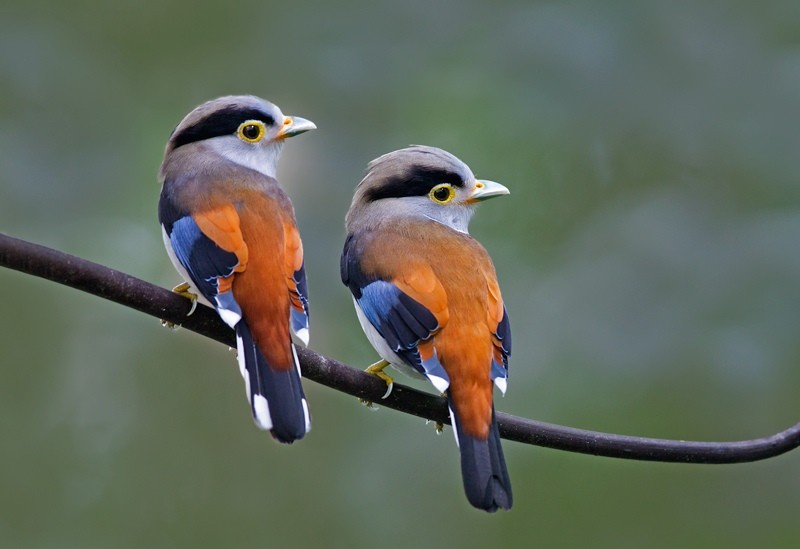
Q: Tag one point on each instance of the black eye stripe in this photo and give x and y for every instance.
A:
(222, 122)
(417, 181)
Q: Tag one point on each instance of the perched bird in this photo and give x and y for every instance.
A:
(427, 297)
(231, 233)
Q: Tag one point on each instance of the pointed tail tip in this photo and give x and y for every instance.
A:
(281, 416)
(283, 432)
(291, 425)
(496, 495)
(285, 437)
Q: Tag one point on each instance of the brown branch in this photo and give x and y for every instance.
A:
(156, 301)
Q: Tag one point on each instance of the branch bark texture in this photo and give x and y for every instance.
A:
(158, 302)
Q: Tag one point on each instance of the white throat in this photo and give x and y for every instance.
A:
(457, 223)
(262, 158)
(456, 217)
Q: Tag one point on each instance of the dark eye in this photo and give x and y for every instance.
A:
(442, 193)
(251, 131)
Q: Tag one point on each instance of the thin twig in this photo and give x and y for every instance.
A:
(132, 292)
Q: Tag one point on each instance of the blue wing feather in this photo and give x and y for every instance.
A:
(400, 320)
(352, 275)
(403, 323)
(204, 261)
(503, 334)
(200, 256)
(300, 320)
(499, 370)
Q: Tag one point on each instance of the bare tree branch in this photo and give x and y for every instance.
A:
(140, 295)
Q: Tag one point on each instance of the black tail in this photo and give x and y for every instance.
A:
(483, 468)
(276, 396)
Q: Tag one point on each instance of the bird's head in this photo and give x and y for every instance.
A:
(244, 129)
(421, 182)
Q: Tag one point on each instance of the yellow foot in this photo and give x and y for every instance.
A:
(438, 426)
(377, 369)
(182, 289)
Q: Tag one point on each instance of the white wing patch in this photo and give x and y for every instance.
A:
(302, 335)
(229, 317)
(440, 383)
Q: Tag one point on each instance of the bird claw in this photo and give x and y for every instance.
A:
(438, 426)
(377, 370)
(368, 404)
(170, 325)
(182, 289)
(194, 305)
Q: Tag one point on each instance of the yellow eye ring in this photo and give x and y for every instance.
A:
(442, 193)
(251, 131)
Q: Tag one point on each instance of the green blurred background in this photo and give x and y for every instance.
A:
(649, 255)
